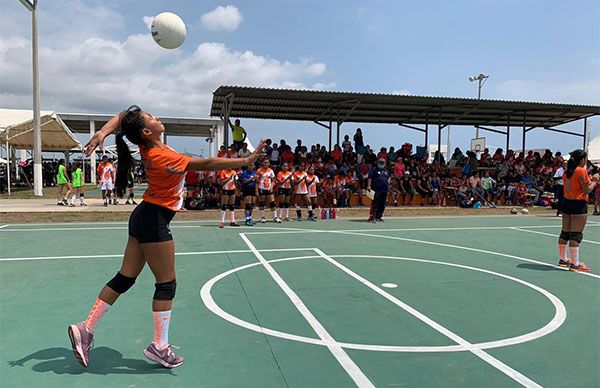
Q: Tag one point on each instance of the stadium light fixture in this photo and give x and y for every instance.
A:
(481, 78)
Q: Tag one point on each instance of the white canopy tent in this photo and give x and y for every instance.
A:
(16, 129)
(593, 150)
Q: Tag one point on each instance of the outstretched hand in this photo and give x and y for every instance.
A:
(258, 151)
(97, 141)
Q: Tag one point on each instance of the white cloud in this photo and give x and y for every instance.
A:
(222, 18)
(102, 75)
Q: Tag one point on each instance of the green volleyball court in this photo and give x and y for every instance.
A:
(424, 301)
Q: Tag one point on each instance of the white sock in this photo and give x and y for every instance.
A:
(81, 198)
(232, 215)
(161, 328)
(275, 214)
(73, 199)
(287, 212)
(223, 216)
(562, 252)
(574, 255)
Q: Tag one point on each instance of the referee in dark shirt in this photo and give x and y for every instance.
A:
(378, 181)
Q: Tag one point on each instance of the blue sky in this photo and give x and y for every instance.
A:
(97, 56)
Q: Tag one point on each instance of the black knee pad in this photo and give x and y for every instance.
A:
(564, 235)
(272, 204)
(286, 205)
(81, 195)
(165, 291)
(120, 283)
(248, 206)
(230, 207)
(223, 207)
(261, 205)
(576, 236)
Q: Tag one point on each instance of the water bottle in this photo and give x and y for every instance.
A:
(323, 214)
(334, 213)
(330, 213)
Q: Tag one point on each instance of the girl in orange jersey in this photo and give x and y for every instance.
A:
(150, 239)
(300, 181)
(577, 186)
(328, 191)
(266, 183)
(284, 180)
(313, 182)
(227, 180)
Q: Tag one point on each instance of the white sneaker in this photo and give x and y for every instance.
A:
(278, 220)
(262, 220)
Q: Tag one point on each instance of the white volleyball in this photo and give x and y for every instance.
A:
(168, 30)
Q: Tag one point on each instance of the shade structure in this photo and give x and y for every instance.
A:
(594, 150)
(16, 128)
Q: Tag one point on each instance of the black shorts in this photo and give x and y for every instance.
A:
(266, 193)
(228, 192)
(285, 192)
(149, 223)
(574, 206)
(249, 191)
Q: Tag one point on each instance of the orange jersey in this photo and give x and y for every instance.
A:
(165, 170)
(266, 178)
(282, 176)
(301, 187)
(339, 182)
(574, 186)
(312, 186)
(105, 171)
(228, 178)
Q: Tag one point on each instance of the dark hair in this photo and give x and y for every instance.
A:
(576, 157)
(132, 124)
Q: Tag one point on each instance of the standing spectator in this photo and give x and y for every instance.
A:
(379, 182)
(298, 146)
(238, 133)
(346, 144)
(336, 154)
(274, 156)
(359, 144)
(559, 187)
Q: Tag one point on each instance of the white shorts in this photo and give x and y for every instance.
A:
(106, 186)
(304, 193)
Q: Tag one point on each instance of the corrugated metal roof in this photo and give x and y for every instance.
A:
(310, 105)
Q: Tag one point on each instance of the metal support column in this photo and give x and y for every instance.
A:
(338, 133)
(426, 130)
(165, 138)
(330, 130)
(439, 147)
(37, 130)
(507, 135)
(8, 163)
(524, 133)
(93, 155)
(585, 134)
(226, 123)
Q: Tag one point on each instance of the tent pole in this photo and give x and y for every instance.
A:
(8, 163)
(507, 135)
(37, 130)
(93, 155)
(585, 134)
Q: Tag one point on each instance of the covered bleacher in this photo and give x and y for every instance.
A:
(329, 109)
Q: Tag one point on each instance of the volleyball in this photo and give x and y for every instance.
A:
(524, 211)
(168, 30)
(513, 211)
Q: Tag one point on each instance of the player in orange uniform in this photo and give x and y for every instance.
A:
(301, 193)
(227, 180)
(313, 182)
(106, 177)
(577, 186)
(150, 239)
(266, 183)
(284, 181)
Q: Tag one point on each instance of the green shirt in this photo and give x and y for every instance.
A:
(77, 177)
(61, 177)
(238, 133)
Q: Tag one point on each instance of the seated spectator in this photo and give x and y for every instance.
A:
(497, 158)
(392, 157)
(336, 154)
(531, 185)
(399, 168)
(244, 152)
(457, 155)
(382, 154)
(222, 152)
(287, 156)
(406, 189)
(424, 192)
(489, 186)
(485, 157)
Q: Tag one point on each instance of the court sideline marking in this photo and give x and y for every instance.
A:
(334, 347)
(551, 235)
(507, 370)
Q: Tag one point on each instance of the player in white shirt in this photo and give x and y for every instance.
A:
(266, 184)
(106, 177)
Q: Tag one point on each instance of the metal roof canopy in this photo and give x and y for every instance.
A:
(174, 126)
(325, 108)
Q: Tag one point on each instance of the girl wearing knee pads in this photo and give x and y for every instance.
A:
(227, 180)
(577, 185)
(284, 181)
(266, 182)
(150, 239)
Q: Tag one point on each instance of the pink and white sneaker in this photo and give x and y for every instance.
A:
(81, 342)
(164, 357)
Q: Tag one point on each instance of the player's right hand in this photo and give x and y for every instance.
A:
(97, 141)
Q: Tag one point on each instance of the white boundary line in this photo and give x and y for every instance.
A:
(125, 228)
(551, 235)
(507, 370)
(121, 255)
(4, 226)
(464, 248)
(338, 352)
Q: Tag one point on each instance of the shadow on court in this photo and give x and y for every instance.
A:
(103, 361)
(537, 267)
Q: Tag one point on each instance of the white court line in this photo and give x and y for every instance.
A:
(507, 370)
(121, 255)
(464, 248)
(125, 227)
(551, 235)
(338, 352)
(4, 226)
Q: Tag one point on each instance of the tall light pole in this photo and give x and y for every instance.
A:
(481, 78)
(31, 5)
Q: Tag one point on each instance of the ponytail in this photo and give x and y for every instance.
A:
(576, 157)
(124, 164)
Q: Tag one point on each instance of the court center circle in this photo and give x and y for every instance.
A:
(558, 319)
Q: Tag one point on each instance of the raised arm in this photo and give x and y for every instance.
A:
(212, 164)
(97, 139)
